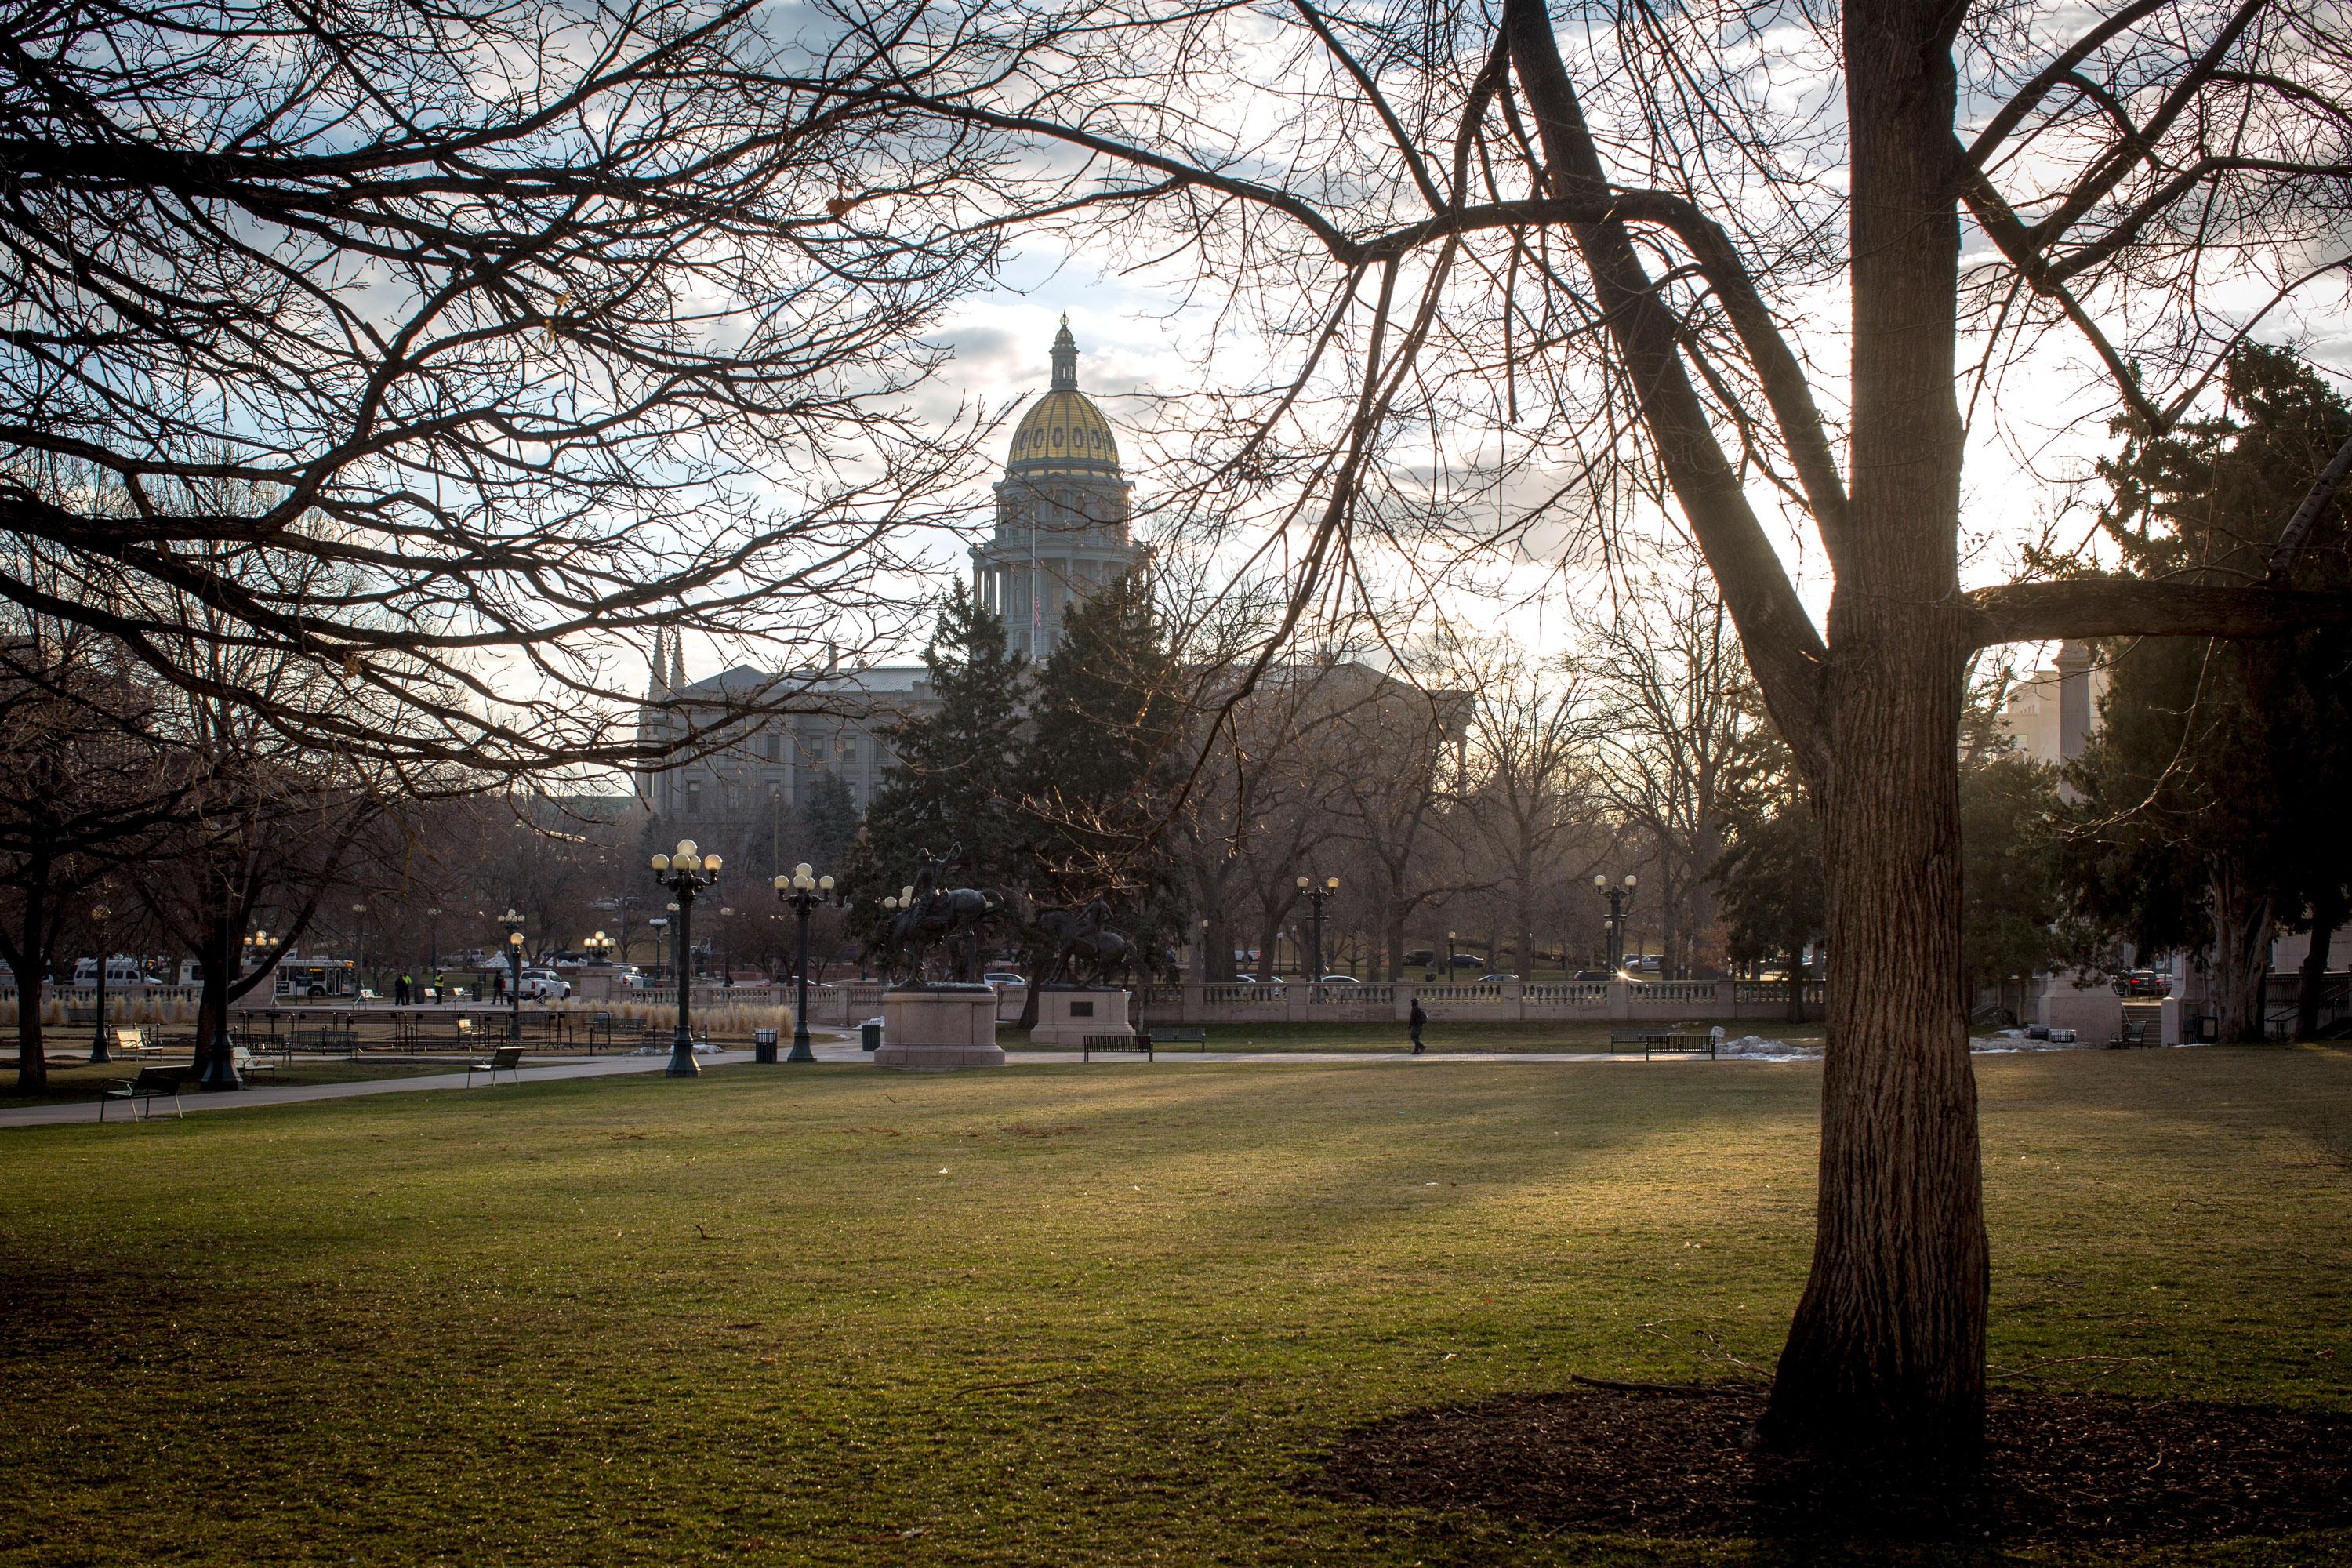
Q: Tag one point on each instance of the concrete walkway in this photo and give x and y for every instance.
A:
(829, 1047)
(198, 1099)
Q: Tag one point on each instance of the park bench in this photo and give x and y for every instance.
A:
(335, 1035)
(129, 1039)
(1138, 1041)
(1626, 1039)
(2141, 1025)
(1180, 1037)
(152, 1083)
(248, 1064)
(506, 1059)
(1683, 1042)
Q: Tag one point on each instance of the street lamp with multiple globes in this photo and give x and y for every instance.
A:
(1316, 893)
(685, 872)
(598, 947)
(98, 915)
(802, 890)
(512, 921)
(1619, 897)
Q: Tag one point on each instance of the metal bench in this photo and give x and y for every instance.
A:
(248, 1064)
(1138, 1041)
(152, 1084)
(129, 1039)
(1626, 1039)
(506, 1059)
(1181, 1038)
(1679, 1043)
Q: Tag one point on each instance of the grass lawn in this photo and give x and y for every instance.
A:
(1566, 1034)
(1050, 1315)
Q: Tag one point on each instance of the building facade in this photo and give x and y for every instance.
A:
(2052, 712)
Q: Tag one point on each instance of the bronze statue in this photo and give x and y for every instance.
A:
(952, 920)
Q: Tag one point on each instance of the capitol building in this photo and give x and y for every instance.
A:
(1061, 533)
(1061, 513)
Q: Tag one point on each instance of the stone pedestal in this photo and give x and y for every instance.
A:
(1067, 1017)
(939, 1027)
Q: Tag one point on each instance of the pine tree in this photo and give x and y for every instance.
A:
(2210, 802)
(956, 780)
(1104, 762)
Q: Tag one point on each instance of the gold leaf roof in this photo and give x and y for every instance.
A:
(1063, 432)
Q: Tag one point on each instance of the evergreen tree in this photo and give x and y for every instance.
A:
(1104, 761)
(828, 822)
(957, 776)
(2210, 805)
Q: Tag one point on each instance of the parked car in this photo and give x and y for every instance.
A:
(1466, 960)
(1003, 979)
(1420, 958)
(2143, 982)
(544, 985)
(1595, 974)
(1340, 980)
(1494, 979)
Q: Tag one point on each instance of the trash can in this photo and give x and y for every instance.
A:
(869, 1034)
(763, 1037)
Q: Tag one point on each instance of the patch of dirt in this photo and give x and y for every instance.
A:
(1671, 1461)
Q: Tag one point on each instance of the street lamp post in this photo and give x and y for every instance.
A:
(802, 892)
(433, 940)
(599, 948)
(660, 926)
(1619, 897)
(359, 943)
(512, 921)
(98, 914)
(1449, 954)
(685, 873)
(1316, 893)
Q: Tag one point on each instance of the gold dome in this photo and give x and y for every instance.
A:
(1063, 432)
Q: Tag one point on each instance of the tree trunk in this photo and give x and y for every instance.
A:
(2242, 954)
(31, 955)
(1885, 1357)
(1886, 1352)
(2313, 977)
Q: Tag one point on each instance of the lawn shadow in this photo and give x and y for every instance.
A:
(1669, 1463)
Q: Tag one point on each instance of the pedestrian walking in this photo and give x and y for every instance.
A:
(1414, 1021)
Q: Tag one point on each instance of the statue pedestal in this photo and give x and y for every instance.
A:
(1067, 1017)
(938, 1027)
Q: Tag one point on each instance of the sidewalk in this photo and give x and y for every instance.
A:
(198, 1099)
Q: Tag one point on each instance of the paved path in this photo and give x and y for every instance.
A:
(842, 1047)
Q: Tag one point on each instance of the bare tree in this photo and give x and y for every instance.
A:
(1667, 718)
(536, 327)
(1607, 235)
(81, 789)
(1528, 784)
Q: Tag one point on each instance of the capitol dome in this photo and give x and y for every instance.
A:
(1063, 432)
(1061, 513)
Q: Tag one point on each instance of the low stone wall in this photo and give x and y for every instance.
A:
(1496, 1002)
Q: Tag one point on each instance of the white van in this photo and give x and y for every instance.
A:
(121, 970)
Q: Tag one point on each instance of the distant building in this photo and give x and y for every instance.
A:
(2052, 712)
(1061, 533)
(722, 797)
(1061, 513)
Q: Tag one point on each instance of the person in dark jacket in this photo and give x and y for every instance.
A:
(1414, 1021)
